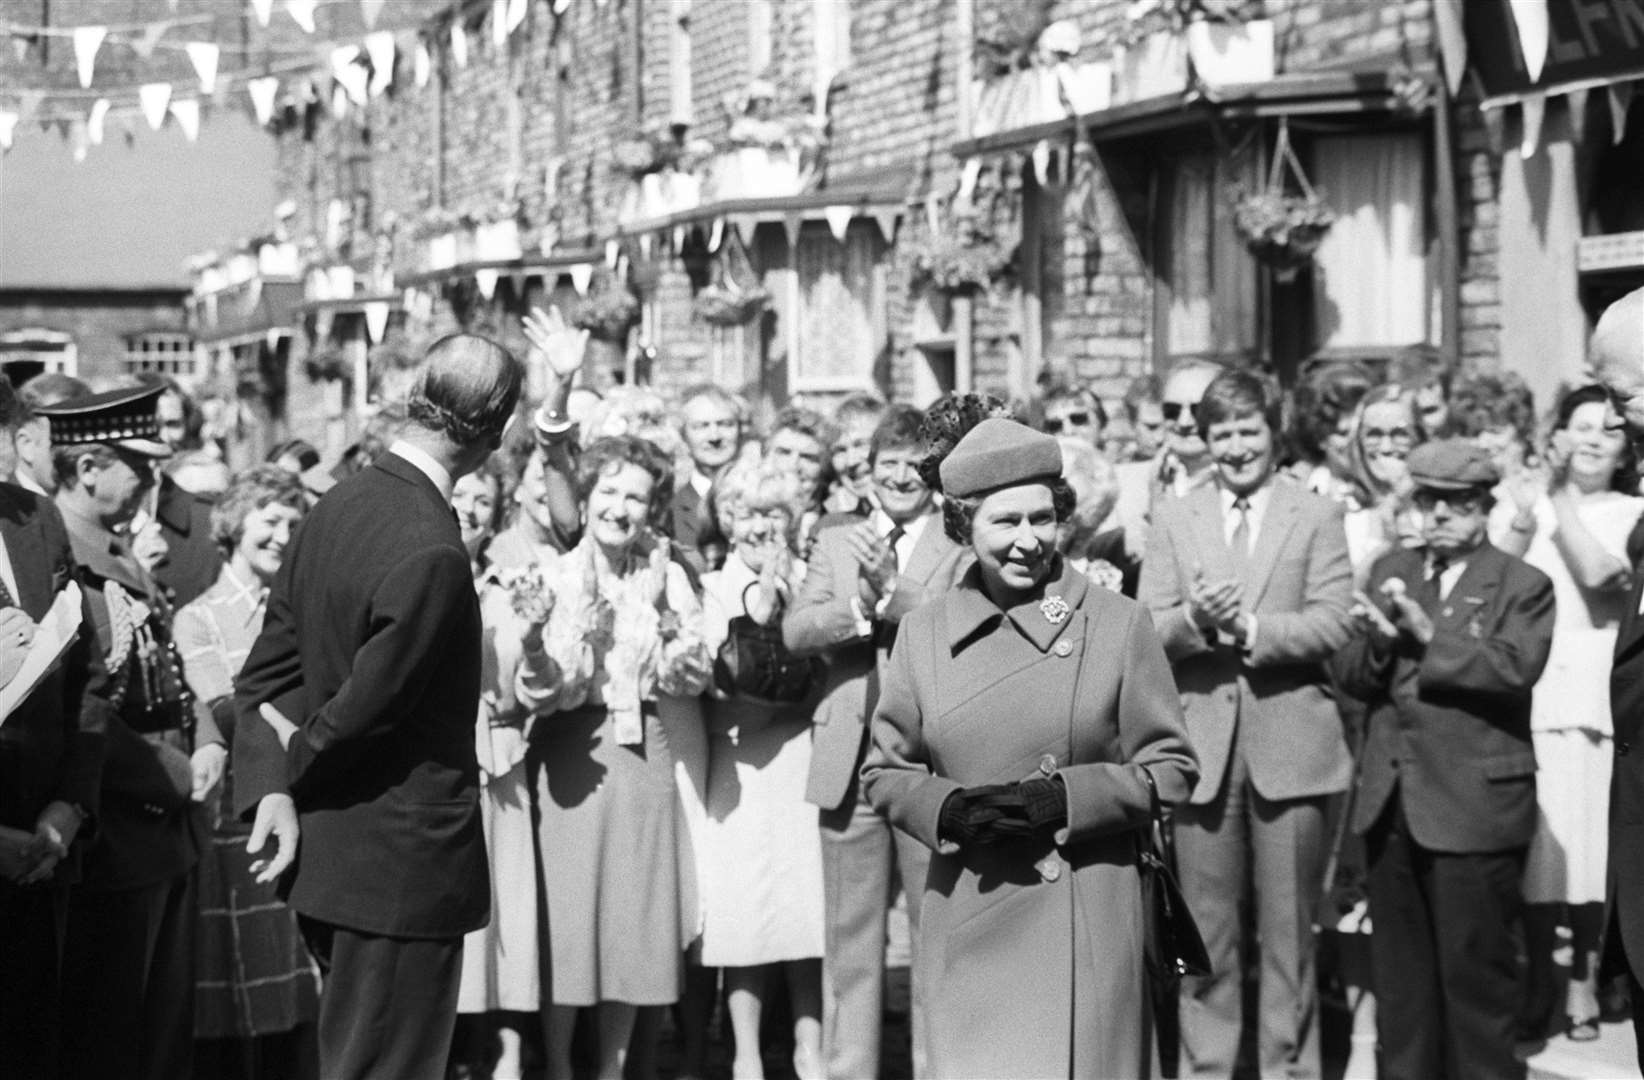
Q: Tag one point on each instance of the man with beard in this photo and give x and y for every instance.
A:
(711, 424)
(1451, 640)
(1249, 583)
(864, 577)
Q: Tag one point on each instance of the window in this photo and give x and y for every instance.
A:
(840, 330)
(1208, 299)
(30, 352)
(165, 353)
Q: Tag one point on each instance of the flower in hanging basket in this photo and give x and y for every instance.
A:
(957, 262)
(1281, 229)
(727, 305)
(608, 312)
(328, 365)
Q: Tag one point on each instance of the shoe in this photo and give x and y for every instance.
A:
(1582, 1030)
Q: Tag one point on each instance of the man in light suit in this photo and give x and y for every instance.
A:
(1453, 639)
(864, 577)
(1250, 584)
(371, 647)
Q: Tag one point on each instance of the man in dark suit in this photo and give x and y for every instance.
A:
(1451, 641)
(711, 424)
(192, 559)
(50, 768)
(372, 646)
(864, 576)
(128, 966)
(1617, 354)
(1249, 583)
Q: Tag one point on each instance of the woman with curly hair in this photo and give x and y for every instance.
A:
(613, 660)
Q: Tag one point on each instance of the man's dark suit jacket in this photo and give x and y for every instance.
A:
(371, 644)
(1627, 779)
(1449, 725)
(51, 749)
(193, 559)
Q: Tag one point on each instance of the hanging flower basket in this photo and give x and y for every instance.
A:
(727, 305)
(1282, 230)
(958, 262)
(608, 312)
(328, 365)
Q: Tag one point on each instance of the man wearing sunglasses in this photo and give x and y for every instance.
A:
(1449, 643)
(1182, 463)
(1077, 412)
(1617, 355)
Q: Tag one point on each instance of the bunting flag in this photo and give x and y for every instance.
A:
(79, 140)
(679, 239)
(155, 97)
(8, 128)
(303, 12)
(716, 235)
(1534, 31)
(94, 121)
(517, 10)
(264, 10)
(187, 114)
(499, 23)
(886, 217)
(204, 56)
(146, 42)
(376, 319)
(87, 40)
(582, 276)
(339, 101)
(839, 220)
(613, 251)
(379, 47)
(28, 105)
(1534, 111)
(1041, 162)
(369, 10)
(263, 92)
(423, 65)
(791, 224)
(487, 282)
(459, 45)
(350, 75)
(271, 338)
(967, 179)
(561, 6)
(1621, 98)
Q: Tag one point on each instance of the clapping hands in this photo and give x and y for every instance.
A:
(1215, 605)
(1404, 617)
(876, 564)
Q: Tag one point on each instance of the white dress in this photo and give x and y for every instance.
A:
(1570, 709)
(760, 853)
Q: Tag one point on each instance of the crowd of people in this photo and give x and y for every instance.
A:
(580, 717)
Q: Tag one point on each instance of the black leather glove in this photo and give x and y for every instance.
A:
(1045, 802)
(972, 816)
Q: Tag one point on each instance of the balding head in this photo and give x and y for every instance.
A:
(468, 389)
(1617, 355)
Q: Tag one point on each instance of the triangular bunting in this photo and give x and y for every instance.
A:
(349, 73)
(839, 220)
(516, 281)
(263, 91)
(613, 251)
(582, 275)
(8, 128)
(87, 40)
(1041, 162)
(645, 243)
(94, 121)
(339, 101)
(423, 66)
(459, 45)
(79, 140)
(1534, 31)
(679, 239)
(517, 10)
(264, 10)
(1534, 107)
(791, 224)
(561, 6)
(967, 179)
(369, 10)
(933, 212)
(380, 48)
(271, 338)
(204, 56)
(1621, 99)
(145, 43)
(376, 319)
(886, 217)
(499, 23)
(716, 234)
(187, 112)
(486, 280)
(155, 97)
(302, 12)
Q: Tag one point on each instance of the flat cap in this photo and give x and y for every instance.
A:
(999, 453)
(1452, 465)
(127, 418)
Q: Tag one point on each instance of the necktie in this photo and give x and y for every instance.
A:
(1241, 529)
(893, 538)
(1435, 576)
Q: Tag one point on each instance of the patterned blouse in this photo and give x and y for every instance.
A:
(215, 633)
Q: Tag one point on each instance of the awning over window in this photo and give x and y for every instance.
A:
(838, 203)
(246, 312)
(549, 267)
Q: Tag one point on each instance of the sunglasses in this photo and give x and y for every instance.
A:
(1054, 426)
(1460, 502)
(1173, 411)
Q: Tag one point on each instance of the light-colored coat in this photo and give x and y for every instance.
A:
(1031, 953)
(1298, 582)
(822, 623)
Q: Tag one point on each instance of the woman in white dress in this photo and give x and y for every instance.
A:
(1571, 522)
(760, 854)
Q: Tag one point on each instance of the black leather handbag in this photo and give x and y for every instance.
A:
(753, 662)
(1173, 947)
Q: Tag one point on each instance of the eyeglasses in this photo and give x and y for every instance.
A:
(1055, 425)
(1459, 502)
(1393, 435)
(1173, 410)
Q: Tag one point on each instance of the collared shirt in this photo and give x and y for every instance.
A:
(700, 483)
(426, 465)
(8, 575)
(25, 480)
(1447, 580)
(1257, 510)
(911, 532)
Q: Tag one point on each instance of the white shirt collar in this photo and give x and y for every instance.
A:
(25, 480)
(1258, 500)
(425, 464)
(700, 483)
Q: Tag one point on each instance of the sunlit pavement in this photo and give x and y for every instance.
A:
(1612, 1056)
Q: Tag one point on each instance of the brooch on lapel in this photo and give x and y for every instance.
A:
(1054, 609)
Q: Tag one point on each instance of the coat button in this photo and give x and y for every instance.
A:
(1064, 648)
(1049, 867)
(1047, 765)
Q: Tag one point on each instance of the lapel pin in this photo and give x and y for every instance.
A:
(1055, 610)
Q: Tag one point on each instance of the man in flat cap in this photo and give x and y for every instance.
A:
(128, 968)
(1451, 639)
(1617, 355)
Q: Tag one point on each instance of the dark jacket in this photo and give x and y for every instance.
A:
(372, 645)
(193, 559)
(1627, 778)
(1449, 724)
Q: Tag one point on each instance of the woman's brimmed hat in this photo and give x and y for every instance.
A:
(999, 453)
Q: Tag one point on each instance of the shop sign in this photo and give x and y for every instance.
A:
(1610, 251)
(1590, 43)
